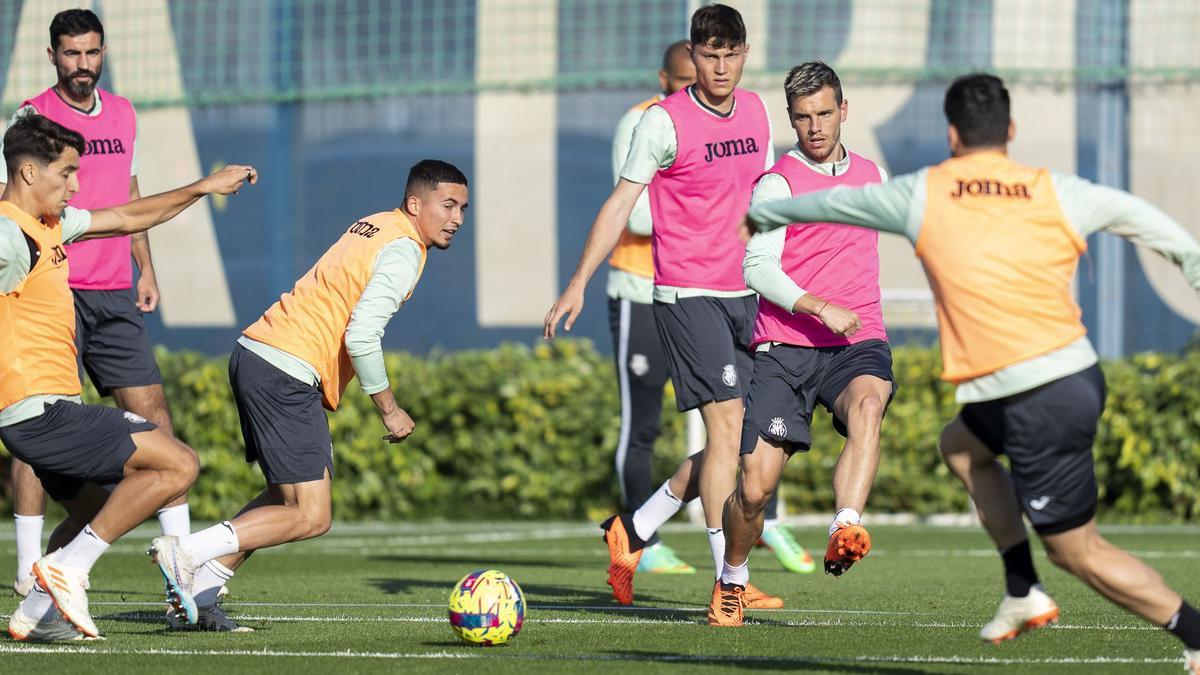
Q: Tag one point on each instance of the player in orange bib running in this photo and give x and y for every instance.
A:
(79, 452)
(293, 364)
(1000, 242)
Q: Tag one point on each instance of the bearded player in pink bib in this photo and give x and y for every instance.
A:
(700, 151)
(112, 342)
(819, 338)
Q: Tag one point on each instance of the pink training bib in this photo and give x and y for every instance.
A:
(98, 264)
(696, 203)
(839, 263)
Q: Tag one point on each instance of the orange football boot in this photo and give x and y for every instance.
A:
(725, 610)
(754, 598)
(847, 545)
(624, 552)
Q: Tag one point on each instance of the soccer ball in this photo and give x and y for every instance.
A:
(487, 608)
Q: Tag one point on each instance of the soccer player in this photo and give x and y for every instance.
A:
(1000, 242)
(700, 151)
(110, 335)
(295, 362)
(641, 364)
(78, 451)
(819, 338)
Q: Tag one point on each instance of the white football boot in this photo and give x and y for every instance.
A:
(51, 628)
(1191, 661)
(1018, 615)
(178, 571)
(68, 586)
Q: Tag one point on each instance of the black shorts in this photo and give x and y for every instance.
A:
(114, 347)
(707, 342)
(1047, 434)
(283, 421)
(71, 444)
(790, 381)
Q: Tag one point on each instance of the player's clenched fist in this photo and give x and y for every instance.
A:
(840, 320)
(399, 425)
(229, 179)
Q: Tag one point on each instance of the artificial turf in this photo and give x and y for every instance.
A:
(372, 598)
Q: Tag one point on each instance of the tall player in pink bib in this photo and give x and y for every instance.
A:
(818, 338)
(111, 337)
(700, 151)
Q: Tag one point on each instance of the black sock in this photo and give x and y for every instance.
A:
(635, 542)
(1019, 575)
(1186, 625)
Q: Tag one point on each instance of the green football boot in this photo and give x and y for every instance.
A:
(789, 552)
(660, 559)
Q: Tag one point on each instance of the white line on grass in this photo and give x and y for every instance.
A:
(565, 608)
(800, 623)
(683, 658)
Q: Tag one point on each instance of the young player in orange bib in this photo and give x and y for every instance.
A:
(80, 453)
(114, 347)
(295, 363)
(1000, 242)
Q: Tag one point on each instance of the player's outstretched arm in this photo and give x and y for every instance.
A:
(602, 238)
(887, 207)
(143, 214)
(1098, 208)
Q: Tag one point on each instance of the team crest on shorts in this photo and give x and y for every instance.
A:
(639, 365)
(729, 375)
(777, 428)
(134, 418)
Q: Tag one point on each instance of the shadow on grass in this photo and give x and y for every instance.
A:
(535, 594)
(790, 663)
(474, 563)
(632, 656)
(156, 618)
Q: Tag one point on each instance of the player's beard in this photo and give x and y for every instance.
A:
(80, 89)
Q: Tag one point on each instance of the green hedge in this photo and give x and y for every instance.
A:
(529, 432)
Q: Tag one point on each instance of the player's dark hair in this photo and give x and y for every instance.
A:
(978, 107)
(807, 79)
(718, 26)
(427, 174)
(671, 51)
(38, 138)
(73, 22)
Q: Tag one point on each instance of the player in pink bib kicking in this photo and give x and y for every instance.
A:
(818, 338)
(700, 151)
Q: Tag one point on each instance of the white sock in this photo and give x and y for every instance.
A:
(37, 604)
(211, 576)
(658, 509)
(83, 551)
(175, 521)
(716, 542)
(768, 523)
(214, 542)
(739, 575)
(845, 516)
(29, 543)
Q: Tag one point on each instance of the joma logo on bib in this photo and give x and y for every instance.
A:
(989, 187)
(364, 228)
(104, 146)
(746, 146)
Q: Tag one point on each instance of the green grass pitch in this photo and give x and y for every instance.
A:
(372, 598)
